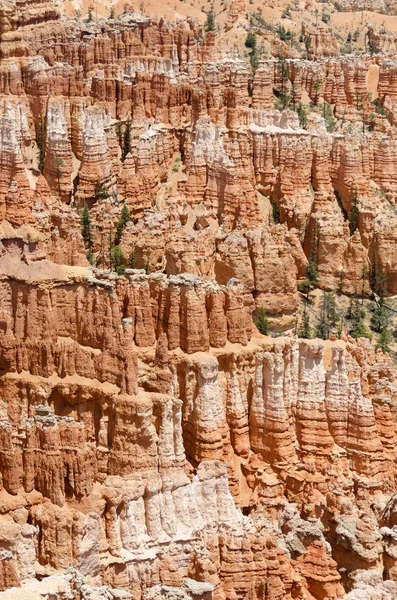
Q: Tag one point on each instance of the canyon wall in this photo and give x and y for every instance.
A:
(161, 189)
(148, 450)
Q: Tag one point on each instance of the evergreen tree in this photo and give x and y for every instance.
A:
(89, 16)
(302, 115)
(354, 214)
(209, 24)
(307, 46)
(100, 191)
(58, 164)
(262, 323)
(254, 60)
(374, 267)
(312, 273)
(349, 40)
(126, 140)
(250, 40)
(341, 282)
(131, 260)
(119, 133)
(356, 317)
(312, 270)
(86, 228)
(364, 276)
(40, 143)
(125, 217)
(328, 316)
(90, 257)
(283, 72)
(112, 14)
(200, 37)
(378, 281)
(275, 211)
(380, 317)
(316, 88)
(116, 258)
(293, 96)
(330, 122)
(383, 341)
(312, 276)
(358, 101)
(340, 327)
(305, 329)
(110, 249)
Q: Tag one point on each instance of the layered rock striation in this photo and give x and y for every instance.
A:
(158, 194)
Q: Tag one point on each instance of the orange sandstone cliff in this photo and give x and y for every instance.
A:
(164, 187)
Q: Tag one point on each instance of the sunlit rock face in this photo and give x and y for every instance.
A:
(156, 194)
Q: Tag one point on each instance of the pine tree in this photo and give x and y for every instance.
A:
(356, 317)
(380, 317)
(58, 164)
(283, 70)
(341, 282)
(372, 122)
(312, 276)
(312, 270)
(305, 329)
(374, 267)
(250, 40)
(125, 217)
(262, 323)
(340, 327)
(89, 16)
(119, 133)
(100, 191)
(312, 273)
(323, 327)
(116, 258)
(316, 88)
(86, 228)
(126, 140)
(378, 281)
(328, 316)
(254, 60)
(349, 41)
(131, 260)
(383, 341)
(364, 276)
(330, 122)
(40, 143)
(112, 14)
(275, 211)
(209, 24)
(354, 214)
(358, 101)
(307, 46)
(90, 257)
(293, 96)
(302, 115)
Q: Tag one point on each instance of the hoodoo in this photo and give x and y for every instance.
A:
(198, 280)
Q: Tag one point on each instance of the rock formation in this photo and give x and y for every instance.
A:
(164, 189)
